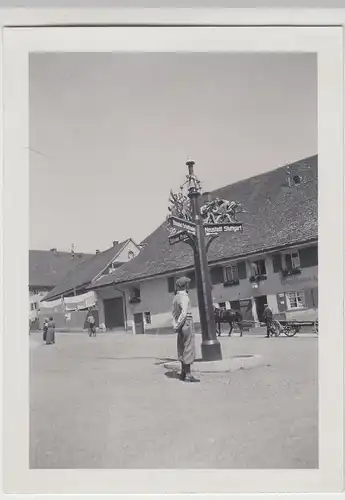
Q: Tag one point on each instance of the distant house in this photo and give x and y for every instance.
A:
(72, 287)
(46, 268)
(274, 260)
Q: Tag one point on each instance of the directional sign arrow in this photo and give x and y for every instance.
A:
(182, 224)
(177, 237)
(223, 228)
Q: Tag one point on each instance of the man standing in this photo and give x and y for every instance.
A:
(183, 325)
(91, 324)
(268, 317)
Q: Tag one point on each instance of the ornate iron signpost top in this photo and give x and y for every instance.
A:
(218, 215)
(191, 224)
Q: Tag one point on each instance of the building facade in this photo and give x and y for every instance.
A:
(287, 281)
(70, 299)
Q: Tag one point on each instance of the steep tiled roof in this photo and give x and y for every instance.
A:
(86, 271)
(47, 267)
(276, 215)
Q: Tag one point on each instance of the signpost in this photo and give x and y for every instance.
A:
(192, 224)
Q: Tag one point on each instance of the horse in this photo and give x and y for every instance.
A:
(230, 316)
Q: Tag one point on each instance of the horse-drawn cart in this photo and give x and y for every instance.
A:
(290, 328)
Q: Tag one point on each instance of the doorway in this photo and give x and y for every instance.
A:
(260, 306)
(113, 313)
(139, 323)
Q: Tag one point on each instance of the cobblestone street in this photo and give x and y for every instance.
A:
(108, 402)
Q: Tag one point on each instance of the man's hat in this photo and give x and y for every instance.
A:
(182, 282)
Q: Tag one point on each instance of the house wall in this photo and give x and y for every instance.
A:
(275, 284)
(35, 297)
(156, 299)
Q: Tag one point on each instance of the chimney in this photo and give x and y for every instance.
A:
(97, 252)
(206, 197)
(115, 242)
(53, 250)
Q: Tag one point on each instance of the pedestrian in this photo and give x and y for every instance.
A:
(183, 326)
(45, 328)
(91, 323)
(50, 337)
(268, 318)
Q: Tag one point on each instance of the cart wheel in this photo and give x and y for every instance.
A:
(276, 328)
(290, 331)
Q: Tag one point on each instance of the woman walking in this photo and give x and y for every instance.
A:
(50, 338)
(45, 329)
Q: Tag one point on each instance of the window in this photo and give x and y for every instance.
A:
(147, 317)
(292, 260)
(277, 263)
(216, 275)
(231, 273)
(130, 255)
(308, 256)
(296, 300)
(171, 284)
(258, 267)
(136, 293)
(222, 305)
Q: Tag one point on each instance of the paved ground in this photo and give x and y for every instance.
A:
(108, 402)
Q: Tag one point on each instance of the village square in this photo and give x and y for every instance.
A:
(123, 361)
(173, 292)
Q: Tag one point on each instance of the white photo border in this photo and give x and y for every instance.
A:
(327, 42)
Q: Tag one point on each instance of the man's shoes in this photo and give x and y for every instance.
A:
(267, 336)
(190, 378)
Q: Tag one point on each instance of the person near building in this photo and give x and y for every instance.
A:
(45, 329)
(91, 323)
(268, 318)
(50, 337)
(183, 326)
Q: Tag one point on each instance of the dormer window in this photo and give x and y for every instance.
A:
(296, 180)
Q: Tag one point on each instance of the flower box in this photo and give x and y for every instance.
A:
(291, 272)
(231, 283)
(134, 300)
(259, 277)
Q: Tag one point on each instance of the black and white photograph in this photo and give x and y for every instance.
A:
(173, 302)
(173, 266)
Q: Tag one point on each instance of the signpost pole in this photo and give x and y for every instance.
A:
(210, 346)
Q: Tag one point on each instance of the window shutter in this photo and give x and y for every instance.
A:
(242, 271)
(309, 298)
(171, 284)
(277, 263)
(315, 293)
(281, 301)
(217, 275)
(308, 256)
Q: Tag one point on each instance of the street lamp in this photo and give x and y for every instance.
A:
(186, 215)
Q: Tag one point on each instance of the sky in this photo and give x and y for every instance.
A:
(110, 134)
